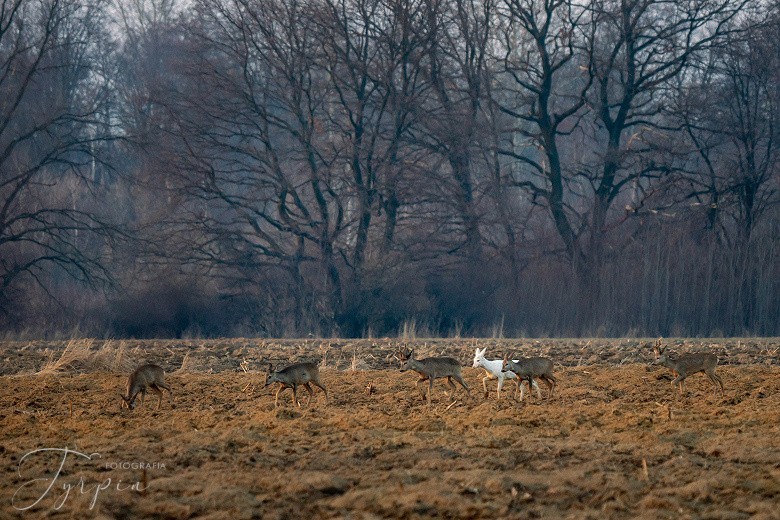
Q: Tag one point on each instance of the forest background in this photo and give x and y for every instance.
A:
(361, 168)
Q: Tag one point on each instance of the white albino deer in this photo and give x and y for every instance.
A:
(494, 370)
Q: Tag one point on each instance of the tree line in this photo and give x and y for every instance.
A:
(381, 167)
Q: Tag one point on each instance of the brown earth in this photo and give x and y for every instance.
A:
(614, 442)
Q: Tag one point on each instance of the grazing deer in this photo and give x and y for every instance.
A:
(528, 368)
(432, 368)
(494, 369)
(688, 364)
(145, 376)
(290, 377)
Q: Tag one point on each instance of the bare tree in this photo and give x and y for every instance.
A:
(542, 93)
(254, 158)
(637, 49)
(454, 123)
(737, 175)
(597, 74)
(54, 127)
(372, 54)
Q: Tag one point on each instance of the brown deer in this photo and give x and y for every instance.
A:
(528, 368)
(145, 376)
(298, 374)
(432, 368)
(688, 364)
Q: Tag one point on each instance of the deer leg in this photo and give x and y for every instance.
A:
(484, 385)
(531, 389)
(279, 391)
(551, 382)
(170, 392)
(295, 395)
(320, 385)
(417, 384)
(307, 386)
(547, 383)
(716, 380)
(452, 385)
(159, 395)
(460, 380)
(500, 386)
(678, 382)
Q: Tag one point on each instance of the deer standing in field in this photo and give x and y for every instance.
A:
(688, 364)
(145, 376)
(432, 368)
(528, 368)
(299, 374)
(494, 369)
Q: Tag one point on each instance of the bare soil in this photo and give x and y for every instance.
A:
(615, 441)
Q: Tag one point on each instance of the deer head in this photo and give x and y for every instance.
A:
(660, 352)
(479, 355)
(405, 355)
(126, 401)
(269, 375)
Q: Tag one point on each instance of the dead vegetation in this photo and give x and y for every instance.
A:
(218, 355)
(88, 355)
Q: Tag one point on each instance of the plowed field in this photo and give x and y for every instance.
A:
(615, 441)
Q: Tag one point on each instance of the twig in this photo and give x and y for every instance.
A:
(668, 410)
(144, 481)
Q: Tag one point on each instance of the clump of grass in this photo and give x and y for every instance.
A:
(76, 351)
(81, 356)
(112, 356)
(358, 361)
(186, 363)
(409, 330)
(324, 350)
